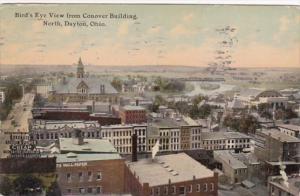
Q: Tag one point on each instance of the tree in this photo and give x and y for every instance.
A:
(245, 124)
(6, 186)
(27, 183)
(285, 113)
(117, 84)
(264, 110)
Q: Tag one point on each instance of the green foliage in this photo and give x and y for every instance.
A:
(6, 186)
(245, 124)
(27, 183)
(169, 85)
(285, 113)
(117, 84)
(198, 99)
(158, 101)
(12, 92)
(264, 110)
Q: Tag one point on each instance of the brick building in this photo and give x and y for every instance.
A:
(89, 166)
(132, 114)
(176, 174)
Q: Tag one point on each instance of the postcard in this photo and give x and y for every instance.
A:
(149, 99)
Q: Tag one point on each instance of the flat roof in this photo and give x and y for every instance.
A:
(175, 167)
(132, 107)
(293, 184)
(66, 158)
(275, 134)
(90, 145)
(223, 135)
(228, 159)
(289, 126)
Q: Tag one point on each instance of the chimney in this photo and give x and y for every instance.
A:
(137, 102)
(102, 88)
(93, 106)
(134, 147)
(77, 137)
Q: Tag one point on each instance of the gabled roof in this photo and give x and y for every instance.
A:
(71, 84)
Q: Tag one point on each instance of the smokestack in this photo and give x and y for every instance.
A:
(137, 102)
(77, 137)
(134, 147)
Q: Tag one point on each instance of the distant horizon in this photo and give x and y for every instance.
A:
(145, 65)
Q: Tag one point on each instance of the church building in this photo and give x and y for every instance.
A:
(83, 88)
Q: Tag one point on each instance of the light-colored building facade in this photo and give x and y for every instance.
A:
(289, 129)
(48, 131)
(234, 169)
(120, 136)
(2, 96)
(224, 140)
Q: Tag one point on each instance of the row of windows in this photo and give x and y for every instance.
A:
(220, 147)
(89, 190)
(224, 141)
(240, 171)
(182, 190)
(81, 176)
(41, 136)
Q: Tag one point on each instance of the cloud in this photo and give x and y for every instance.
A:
(123, 29)
(264, 55)
(284, 23)
(154, 30)
(181, 30)
(188, 17)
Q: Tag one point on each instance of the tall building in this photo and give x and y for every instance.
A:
(82, 88)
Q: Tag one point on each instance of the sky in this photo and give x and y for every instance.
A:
(265, 36)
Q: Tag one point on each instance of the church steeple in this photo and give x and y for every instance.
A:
(80, 69)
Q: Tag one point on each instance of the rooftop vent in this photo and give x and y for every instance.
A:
(174, 173)
(71, 155)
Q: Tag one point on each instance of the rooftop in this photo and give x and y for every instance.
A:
(175, 167)
(275, 134)
(293, 183)
(289, 126)
(72, 157)
(223, 135)
(53, 124)
(226, 157)
(133, 107)
(89, 146)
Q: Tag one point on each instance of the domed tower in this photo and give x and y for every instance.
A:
(80, 69)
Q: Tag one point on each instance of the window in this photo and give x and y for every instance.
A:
(69, 190)
(80, 176)
(90, 176)
(198, 188)
(89, 190)
(211, 186)
(205, 187)
(166, 190)
(157, 191)
(152, 191)
(99, 189)
(190, 189)
(68, 177)
(173, 190)
(99, 175)
(181, 190)
(81, 190)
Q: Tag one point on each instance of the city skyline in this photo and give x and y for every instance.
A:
(268, 36)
